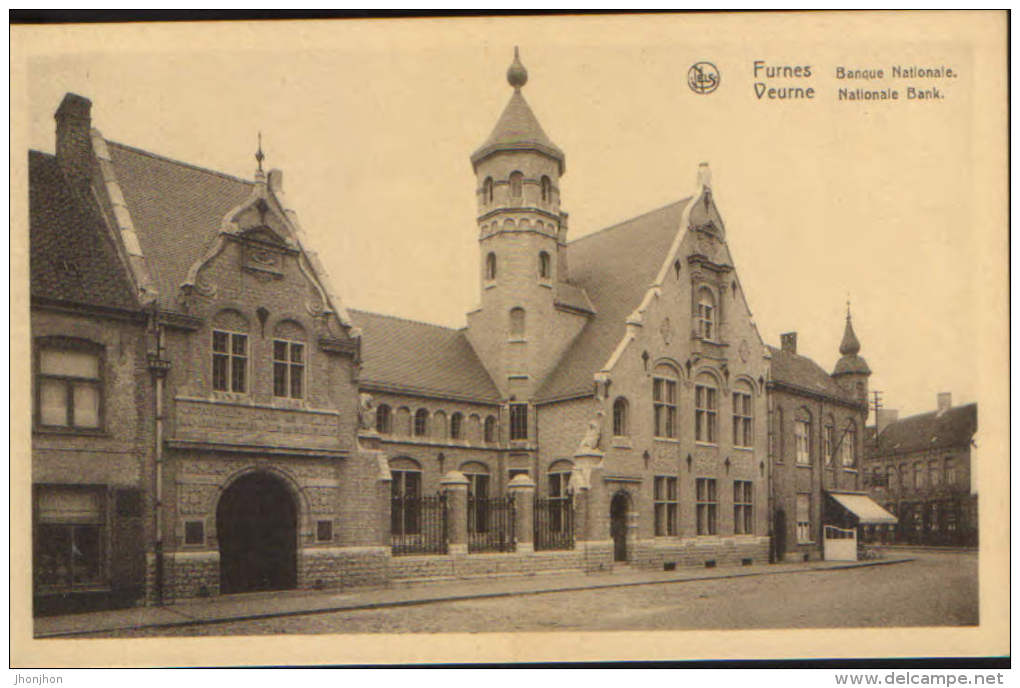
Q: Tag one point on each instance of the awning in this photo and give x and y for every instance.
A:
(864, 508)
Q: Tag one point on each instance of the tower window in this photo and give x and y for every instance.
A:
(546, 189)
(487, 190)
(544, 268)
(516, 185)
(516, 322)
(490, 266)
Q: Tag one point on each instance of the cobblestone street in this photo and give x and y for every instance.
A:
(938, 588)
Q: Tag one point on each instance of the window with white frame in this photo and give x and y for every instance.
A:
(667, 504)
(848, 449)
(706, 504)
(803, 517)
(705, 410)
(802, 440)
(743, 418)
(69, 384)
(664, 402)
(229, 361)
(288, 369)
(743, 515)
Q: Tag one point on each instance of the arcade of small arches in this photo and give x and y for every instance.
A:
(544, 265)
(515, 188)
(435, 425)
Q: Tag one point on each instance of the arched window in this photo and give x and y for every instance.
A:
(849, 447)
(456, 421)
(802, 437)
(490, 429)
(474, 429)
(439, 425)
(421, 423)
(828, 440)
(706, 409)
(664, 384)
(546, 189)
(620, 417)
(706, 314)
(544, 267)
(383, 422)
(402, 425)
(487, 190)
(743, 415)
(517, 322)
(288, 360)
(490, 266)
(516, 185)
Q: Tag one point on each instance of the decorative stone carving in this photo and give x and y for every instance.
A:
(590, 441)
(666, 330)
(196, 499)
(366, 412)
(321, 500)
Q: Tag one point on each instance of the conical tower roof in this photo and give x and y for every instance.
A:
(518, 128)
(850, 363)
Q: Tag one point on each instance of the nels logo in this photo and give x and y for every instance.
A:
(703, 77)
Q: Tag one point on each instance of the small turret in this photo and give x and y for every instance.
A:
(852, 371)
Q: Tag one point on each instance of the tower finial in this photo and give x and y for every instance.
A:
(517, 75)
(259, 155)
(849, 346)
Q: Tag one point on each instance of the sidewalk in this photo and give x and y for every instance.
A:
(296, 602)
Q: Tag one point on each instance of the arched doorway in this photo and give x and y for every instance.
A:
(618, 510)
(256, 524)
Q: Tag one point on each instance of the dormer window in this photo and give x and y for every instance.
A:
(706, 315)
(516, 185)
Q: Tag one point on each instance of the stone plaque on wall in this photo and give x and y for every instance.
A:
(237, 423)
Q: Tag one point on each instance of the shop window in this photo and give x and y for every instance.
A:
(69, 539)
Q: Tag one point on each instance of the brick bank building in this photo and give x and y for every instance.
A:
(606, 403)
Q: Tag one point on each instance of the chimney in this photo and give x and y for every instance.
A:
(945, 400)
(885, 418)
(74, 141)
(789, 342)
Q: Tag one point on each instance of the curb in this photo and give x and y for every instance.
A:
(191, 621)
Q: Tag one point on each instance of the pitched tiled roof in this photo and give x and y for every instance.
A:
(615, 267)
(803, 373)
(420, 357)
(177, 210)
(518, 129)
(72, 256)
(932, 430)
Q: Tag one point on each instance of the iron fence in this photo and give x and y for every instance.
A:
(418, 524)
(554, 523)
(490, 526)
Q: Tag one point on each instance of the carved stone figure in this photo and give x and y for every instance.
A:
(366, 412)
(590, 441)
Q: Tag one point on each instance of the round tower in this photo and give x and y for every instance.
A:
(852, 371)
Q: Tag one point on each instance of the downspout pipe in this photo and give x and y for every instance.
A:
(159, 366)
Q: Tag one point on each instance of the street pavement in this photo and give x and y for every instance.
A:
(927, 589)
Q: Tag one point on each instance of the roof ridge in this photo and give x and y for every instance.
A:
(197, 168)
(629, 220)
(933, 412)
(410, 320)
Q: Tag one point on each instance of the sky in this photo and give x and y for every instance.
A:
(373, 123)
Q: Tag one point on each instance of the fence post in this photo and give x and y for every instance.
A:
(455, 485)
(522, 489)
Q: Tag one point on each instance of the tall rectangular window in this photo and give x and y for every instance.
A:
(478, 502)
(950, 472)
(230, 361)
(69, 387)
(558, 484)
(706, 505)
(803, 518)
(518, 421)
(934, 474)
(849, 449)
(705, 410)
(288, 369)
(828, 444)
(743, 423)
(802, 438)
(667, 505)
(664, 402)
(918, 476)
(743, 516)
(405, 512)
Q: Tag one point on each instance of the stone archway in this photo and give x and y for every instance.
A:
(619, 511)
(256, 526)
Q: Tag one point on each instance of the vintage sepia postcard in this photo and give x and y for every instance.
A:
(510, 339)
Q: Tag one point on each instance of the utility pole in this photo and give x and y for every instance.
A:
(876, 405)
